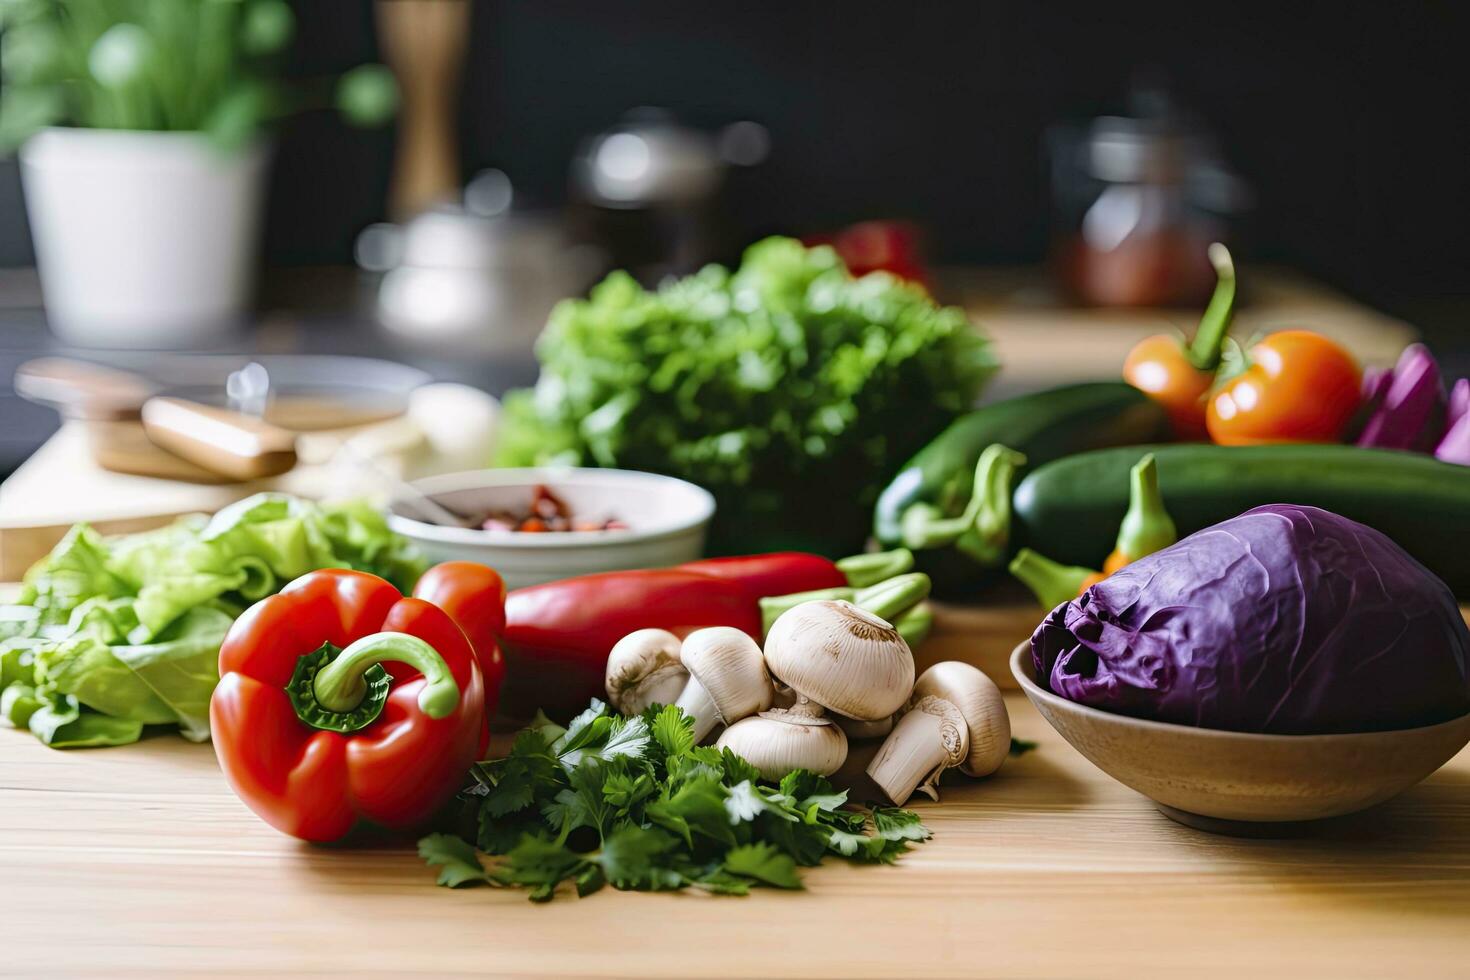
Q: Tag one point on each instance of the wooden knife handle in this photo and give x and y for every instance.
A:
(225, 442)
(81, 389)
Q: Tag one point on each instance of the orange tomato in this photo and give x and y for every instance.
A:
(1160, 367)
(1300, 387)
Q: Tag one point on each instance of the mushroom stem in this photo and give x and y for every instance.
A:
(696, 702)
(805, 707)
(927, 740)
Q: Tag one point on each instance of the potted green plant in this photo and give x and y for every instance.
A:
(141, 128)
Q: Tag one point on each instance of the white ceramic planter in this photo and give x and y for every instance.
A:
(142, 239)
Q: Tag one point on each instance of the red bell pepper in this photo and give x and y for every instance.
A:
(340, 701)
(474, 597)
(558, 634)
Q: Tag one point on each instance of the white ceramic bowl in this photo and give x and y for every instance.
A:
(666, 519)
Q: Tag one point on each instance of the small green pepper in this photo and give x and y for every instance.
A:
(1052, 582)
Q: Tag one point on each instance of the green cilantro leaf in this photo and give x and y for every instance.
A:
(723, 883)
(764, 863)
(639, 857)
(892, 823)
(624, 790)
(1020, 746)
(697, 806)
(672, 730)
(737, 770)
(456, 860)
(540, 864)
(746, 802)
(636, 804)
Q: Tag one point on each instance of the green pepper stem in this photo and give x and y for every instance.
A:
(989, 537)
(1051, 582)
(875, 566)
(773, 606)
(893, 597)
(1147, 527)
(339, 686)
(1204, 350)
(982, 529)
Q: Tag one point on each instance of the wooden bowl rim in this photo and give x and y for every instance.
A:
(1021, 669)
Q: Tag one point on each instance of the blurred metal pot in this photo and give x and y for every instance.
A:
(480, 276)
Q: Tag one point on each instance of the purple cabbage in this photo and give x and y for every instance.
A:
(1285, 620)
(1455, 446)
(1407, 404)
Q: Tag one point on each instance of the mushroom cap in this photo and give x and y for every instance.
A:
(842, 657)
(729, 665)
(643, 668)
(776, 742)
(983, 708)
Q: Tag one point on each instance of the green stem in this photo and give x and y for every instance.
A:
(1052, 582)
(990, 537)
(983, 527)
(1147, 527)
(1204, 350)
(914, 625)
(892, 597)
(339, 686)
(346, 691)
(874, 567)
(773, 606)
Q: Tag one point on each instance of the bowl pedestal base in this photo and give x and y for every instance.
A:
(1260, 829)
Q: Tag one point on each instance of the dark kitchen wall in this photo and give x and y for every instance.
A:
(1350, 119)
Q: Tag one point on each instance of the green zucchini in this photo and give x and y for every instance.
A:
(1069, 509)
(1042, 426)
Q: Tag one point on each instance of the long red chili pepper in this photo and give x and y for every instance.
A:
(557, 635)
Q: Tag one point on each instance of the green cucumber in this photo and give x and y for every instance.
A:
(1069, 509)
(1043, 426)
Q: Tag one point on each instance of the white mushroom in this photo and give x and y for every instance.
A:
(839, 657)
(727, 678)
(643, 668)
(957, 719)
(778, 741)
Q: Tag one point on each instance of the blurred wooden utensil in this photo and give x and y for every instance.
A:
(424, 42)
(132, 430)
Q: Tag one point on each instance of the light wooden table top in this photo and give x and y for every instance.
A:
(139, 861)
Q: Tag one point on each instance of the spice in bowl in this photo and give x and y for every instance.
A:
(546, 513)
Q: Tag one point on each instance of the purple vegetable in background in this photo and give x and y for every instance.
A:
(1284, 620)
(1410, 405)
(1459, 401)
(1455, 446)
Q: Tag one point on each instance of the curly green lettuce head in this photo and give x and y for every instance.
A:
(789, 388)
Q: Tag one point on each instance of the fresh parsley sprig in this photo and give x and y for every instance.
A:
(634, 803)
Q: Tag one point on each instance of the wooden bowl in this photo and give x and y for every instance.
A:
(1239, 783)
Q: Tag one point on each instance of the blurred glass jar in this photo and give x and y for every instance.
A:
(1135, 204)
